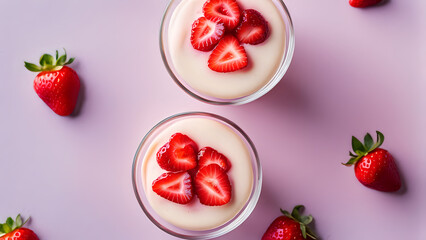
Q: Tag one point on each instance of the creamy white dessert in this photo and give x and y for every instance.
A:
(194, 215)
(191, 65)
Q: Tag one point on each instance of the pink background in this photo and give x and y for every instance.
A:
(353, 71)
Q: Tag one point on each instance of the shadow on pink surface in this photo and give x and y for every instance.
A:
(82, 94)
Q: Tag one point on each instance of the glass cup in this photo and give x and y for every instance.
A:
(138, 184)
(281, 70)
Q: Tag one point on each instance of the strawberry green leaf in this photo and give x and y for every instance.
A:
(360, 153)
(10, 222)
(61, 61)
(368, 141)
(295, 213)
(306, 219)
(32, 67)
(1, 229)
(285, 213)
(357, 145)
(18, 220)
(57, 54)
(352, 161)
(380, 139)
(303, 229)
(69, 61)
(46, 60)
(351, 154)
(6, 228)
(65, 52)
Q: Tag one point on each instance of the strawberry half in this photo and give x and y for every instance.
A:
(212, 186)
(178, 154)
(205, 34)
(208, 155)
(253, 29)
(176, 187)
(225, 11)
(228, 56)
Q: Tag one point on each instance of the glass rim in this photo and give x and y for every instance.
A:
(232, 223)
(279, 74)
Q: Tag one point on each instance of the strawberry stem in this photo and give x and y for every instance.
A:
(48, 63)
(362, 149)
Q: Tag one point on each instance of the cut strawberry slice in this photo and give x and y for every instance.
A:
(228, 56)
(212, 186)
(179, 154)
(253, 29)
(176, 187)
(226, 11)
(205, 34)
(208, 155)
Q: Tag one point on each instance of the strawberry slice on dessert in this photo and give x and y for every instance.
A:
(208, 155)
(228, 56)
(205, 34)
(179, 154)
(225, 11)
(212, 186)
(176, 187)
(253, 29)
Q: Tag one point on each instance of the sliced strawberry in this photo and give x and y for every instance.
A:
(208, 155)
(253, 29)
(212, 186)
(176, 187)
(179, 154)
(226, 11)
(205, 34)
(228, 56)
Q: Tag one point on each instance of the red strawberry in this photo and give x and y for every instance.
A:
(178, 154)
(290, 226)
(176, 187)
(253, 29)
(363, 3)
(205, 34)
(13, 230)
(374, 167)
(208, 155)
(228, 56)
(56, 84)
(212, 186)
(226, 11)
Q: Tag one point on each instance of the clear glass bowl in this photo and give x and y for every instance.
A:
(137, 179)
(285, 61)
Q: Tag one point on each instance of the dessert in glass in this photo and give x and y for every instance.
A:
(196, 175)
(197, 42)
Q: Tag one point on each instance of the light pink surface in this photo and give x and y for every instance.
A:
(353, 71)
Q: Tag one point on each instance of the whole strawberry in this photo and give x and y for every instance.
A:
(374, 166)
(56, 84)
(13, 230)
(363, 3)
(290, 226)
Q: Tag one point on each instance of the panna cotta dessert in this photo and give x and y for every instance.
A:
(197, 174)
(228, 51)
